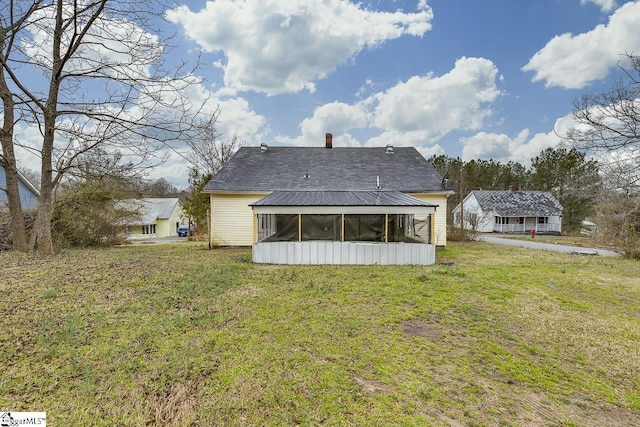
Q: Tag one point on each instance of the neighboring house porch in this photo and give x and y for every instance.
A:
(521, 224)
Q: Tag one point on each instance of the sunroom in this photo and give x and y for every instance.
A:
(343, 227)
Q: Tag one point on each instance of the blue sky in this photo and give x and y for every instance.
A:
(468, 78)
(458, 77)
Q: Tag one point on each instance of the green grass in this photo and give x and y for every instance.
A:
(179, 335)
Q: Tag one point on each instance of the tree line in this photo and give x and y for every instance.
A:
(566, 172)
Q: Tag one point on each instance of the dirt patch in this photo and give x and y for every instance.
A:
(372, 386)
(418, 328)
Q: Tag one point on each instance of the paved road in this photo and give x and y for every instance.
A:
(532, 244)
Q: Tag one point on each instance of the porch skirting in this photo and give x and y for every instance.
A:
(328, 252)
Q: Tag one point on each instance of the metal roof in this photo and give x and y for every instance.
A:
(319, 169)
(152, 209)
(340, 198)
(518, 203)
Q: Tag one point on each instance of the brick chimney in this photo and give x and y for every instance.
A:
(328, 140)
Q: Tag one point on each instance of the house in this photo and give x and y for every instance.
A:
(159, 217)
(28, 192)
(316, 205)
(510, 212)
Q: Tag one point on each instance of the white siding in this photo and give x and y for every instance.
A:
(485, 219)
(232, 219)
(440, 231)
(321, 252)
(167, 227)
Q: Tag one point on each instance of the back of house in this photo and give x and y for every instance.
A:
(256, 172)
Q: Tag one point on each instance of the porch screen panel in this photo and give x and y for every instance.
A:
(278, 228)
(321, 227)
(421, 228)
(409, 228)
(367, 228)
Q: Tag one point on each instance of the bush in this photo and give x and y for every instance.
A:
(457, 234)
(88, 214)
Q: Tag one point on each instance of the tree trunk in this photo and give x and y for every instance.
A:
(18, 228)
(41, 239)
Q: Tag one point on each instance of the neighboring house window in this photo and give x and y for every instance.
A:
(502, 220)
(543, 220)
(149, 229)
(521, 220)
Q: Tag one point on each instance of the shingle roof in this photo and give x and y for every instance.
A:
(152, 209)
(319, 168)
(519, 203)
(340, 198)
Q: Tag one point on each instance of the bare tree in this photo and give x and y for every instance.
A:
(14, 20)
(208, 150)
(87, 74)
(608, 125)
(610, 121)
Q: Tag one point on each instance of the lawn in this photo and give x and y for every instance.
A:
(179, 335)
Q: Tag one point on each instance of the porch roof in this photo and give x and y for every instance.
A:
(341, 198)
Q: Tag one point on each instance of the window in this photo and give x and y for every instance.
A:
(149, 229)
(543, 220)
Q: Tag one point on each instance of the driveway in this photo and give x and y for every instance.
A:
(532, 244)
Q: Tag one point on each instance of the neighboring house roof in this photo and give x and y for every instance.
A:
(340, 198)
(518, 203)
(326, 169)
(152, 209)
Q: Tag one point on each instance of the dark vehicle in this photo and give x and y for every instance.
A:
(182, 231)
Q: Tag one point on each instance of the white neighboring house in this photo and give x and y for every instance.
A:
(159, 217)
(509, 211)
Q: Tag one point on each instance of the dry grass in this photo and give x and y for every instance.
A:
(178, 335)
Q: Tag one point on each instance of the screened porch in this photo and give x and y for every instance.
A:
(343, 228)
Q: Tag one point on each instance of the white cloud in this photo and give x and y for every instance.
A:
(276, 46)
(522, 148)
(435, 106)
(337, 118)
(605, 5)
(417, 112)
(574, 61)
